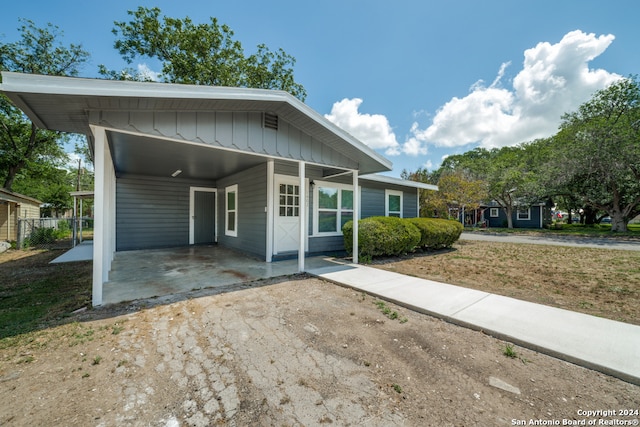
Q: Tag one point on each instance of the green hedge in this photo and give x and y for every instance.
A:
(391, 236)
(437, 233)
(381, 235)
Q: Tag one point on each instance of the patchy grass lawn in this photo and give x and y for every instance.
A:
(35, 294)
(599, 282)
(598, 230)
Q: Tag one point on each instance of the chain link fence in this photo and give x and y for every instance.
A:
(53, 233)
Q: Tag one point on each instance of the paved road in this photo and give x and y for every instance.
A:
(557, 240)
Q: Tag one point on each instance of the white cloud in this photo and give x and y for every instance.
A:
(555, 79)
(372, 129)
(413, 147)
(148, 73)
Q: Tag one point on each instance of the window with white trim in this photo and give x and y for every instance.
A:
(393, 203)
(524, 214)
(231, 211)
(494, 212)
(333, 208)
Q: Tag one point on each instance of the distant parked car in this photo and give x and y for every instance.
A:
(605, 220)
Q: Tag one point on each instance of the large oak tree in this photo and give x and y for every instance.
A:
(598, 152)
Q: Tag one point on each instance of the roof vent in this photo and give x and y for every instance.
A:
(271, 121)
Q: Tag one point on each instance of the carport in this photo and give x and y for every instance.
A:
(252, 170)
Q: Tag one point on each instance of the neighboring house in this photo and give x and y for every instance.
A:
(531, 216)
(12, 207)
(251, 169)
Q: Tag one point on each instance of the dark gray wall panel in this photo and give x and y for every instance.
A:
(152, 212)
(326, 245)
(371, 201)
(252, 217)
(410, 203)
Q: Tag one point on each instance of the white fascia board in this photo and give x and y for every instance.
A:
(397, 181)
(34, 83)
(320, 119)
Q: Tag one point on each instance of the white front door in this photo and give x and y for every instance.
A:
(287, 214)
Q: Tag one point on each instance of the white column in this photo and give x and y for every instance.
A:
(110, 178)
(303, 216)
(80, 222)
(270, 209)
(356, 215)
(9, 237)
(104, 213)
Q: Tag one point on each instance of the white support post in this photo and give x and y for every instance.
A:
(74, 225)
(80, 222)
(110, 178)
(104, 214)
(356, 215)
(302, 217)
(270, 208)
(9, 236)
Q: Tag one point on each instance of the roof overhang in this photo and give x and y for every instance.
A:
(397, 181)
(82, 194)
(64, 104)
(10, 196)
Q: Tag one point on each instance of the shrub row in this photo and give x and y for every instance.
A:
(391, 236)
(437, 233)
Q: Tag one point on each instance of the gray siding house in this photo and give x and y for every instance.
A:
(530, 216)
(250, 169)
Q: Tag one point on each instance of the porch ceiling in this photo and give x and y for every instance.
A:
(134, 154)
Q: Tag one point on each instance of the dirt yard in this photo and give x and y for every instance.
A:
(290, 352)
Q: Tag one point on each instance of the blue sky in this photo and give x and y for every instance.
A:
(416, 80)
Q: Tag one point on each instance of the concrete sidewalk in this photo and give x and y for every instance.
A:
(81, 252)
(604, 345)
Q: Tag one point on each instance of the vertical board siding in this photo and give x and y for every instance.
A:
(241, 131)
(252, 216)
(224, 129)
(236, 130)
(152, 212)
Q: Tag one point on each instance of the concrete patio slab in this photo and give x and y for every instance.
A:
(82, 252)
(151, 273)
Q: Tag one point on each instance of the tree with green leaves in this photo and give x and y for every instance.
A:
(431, 202)
(456, 190)
(598, 152)
(201, 54)
(509, 174)
(24, 149)
(460, 192)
